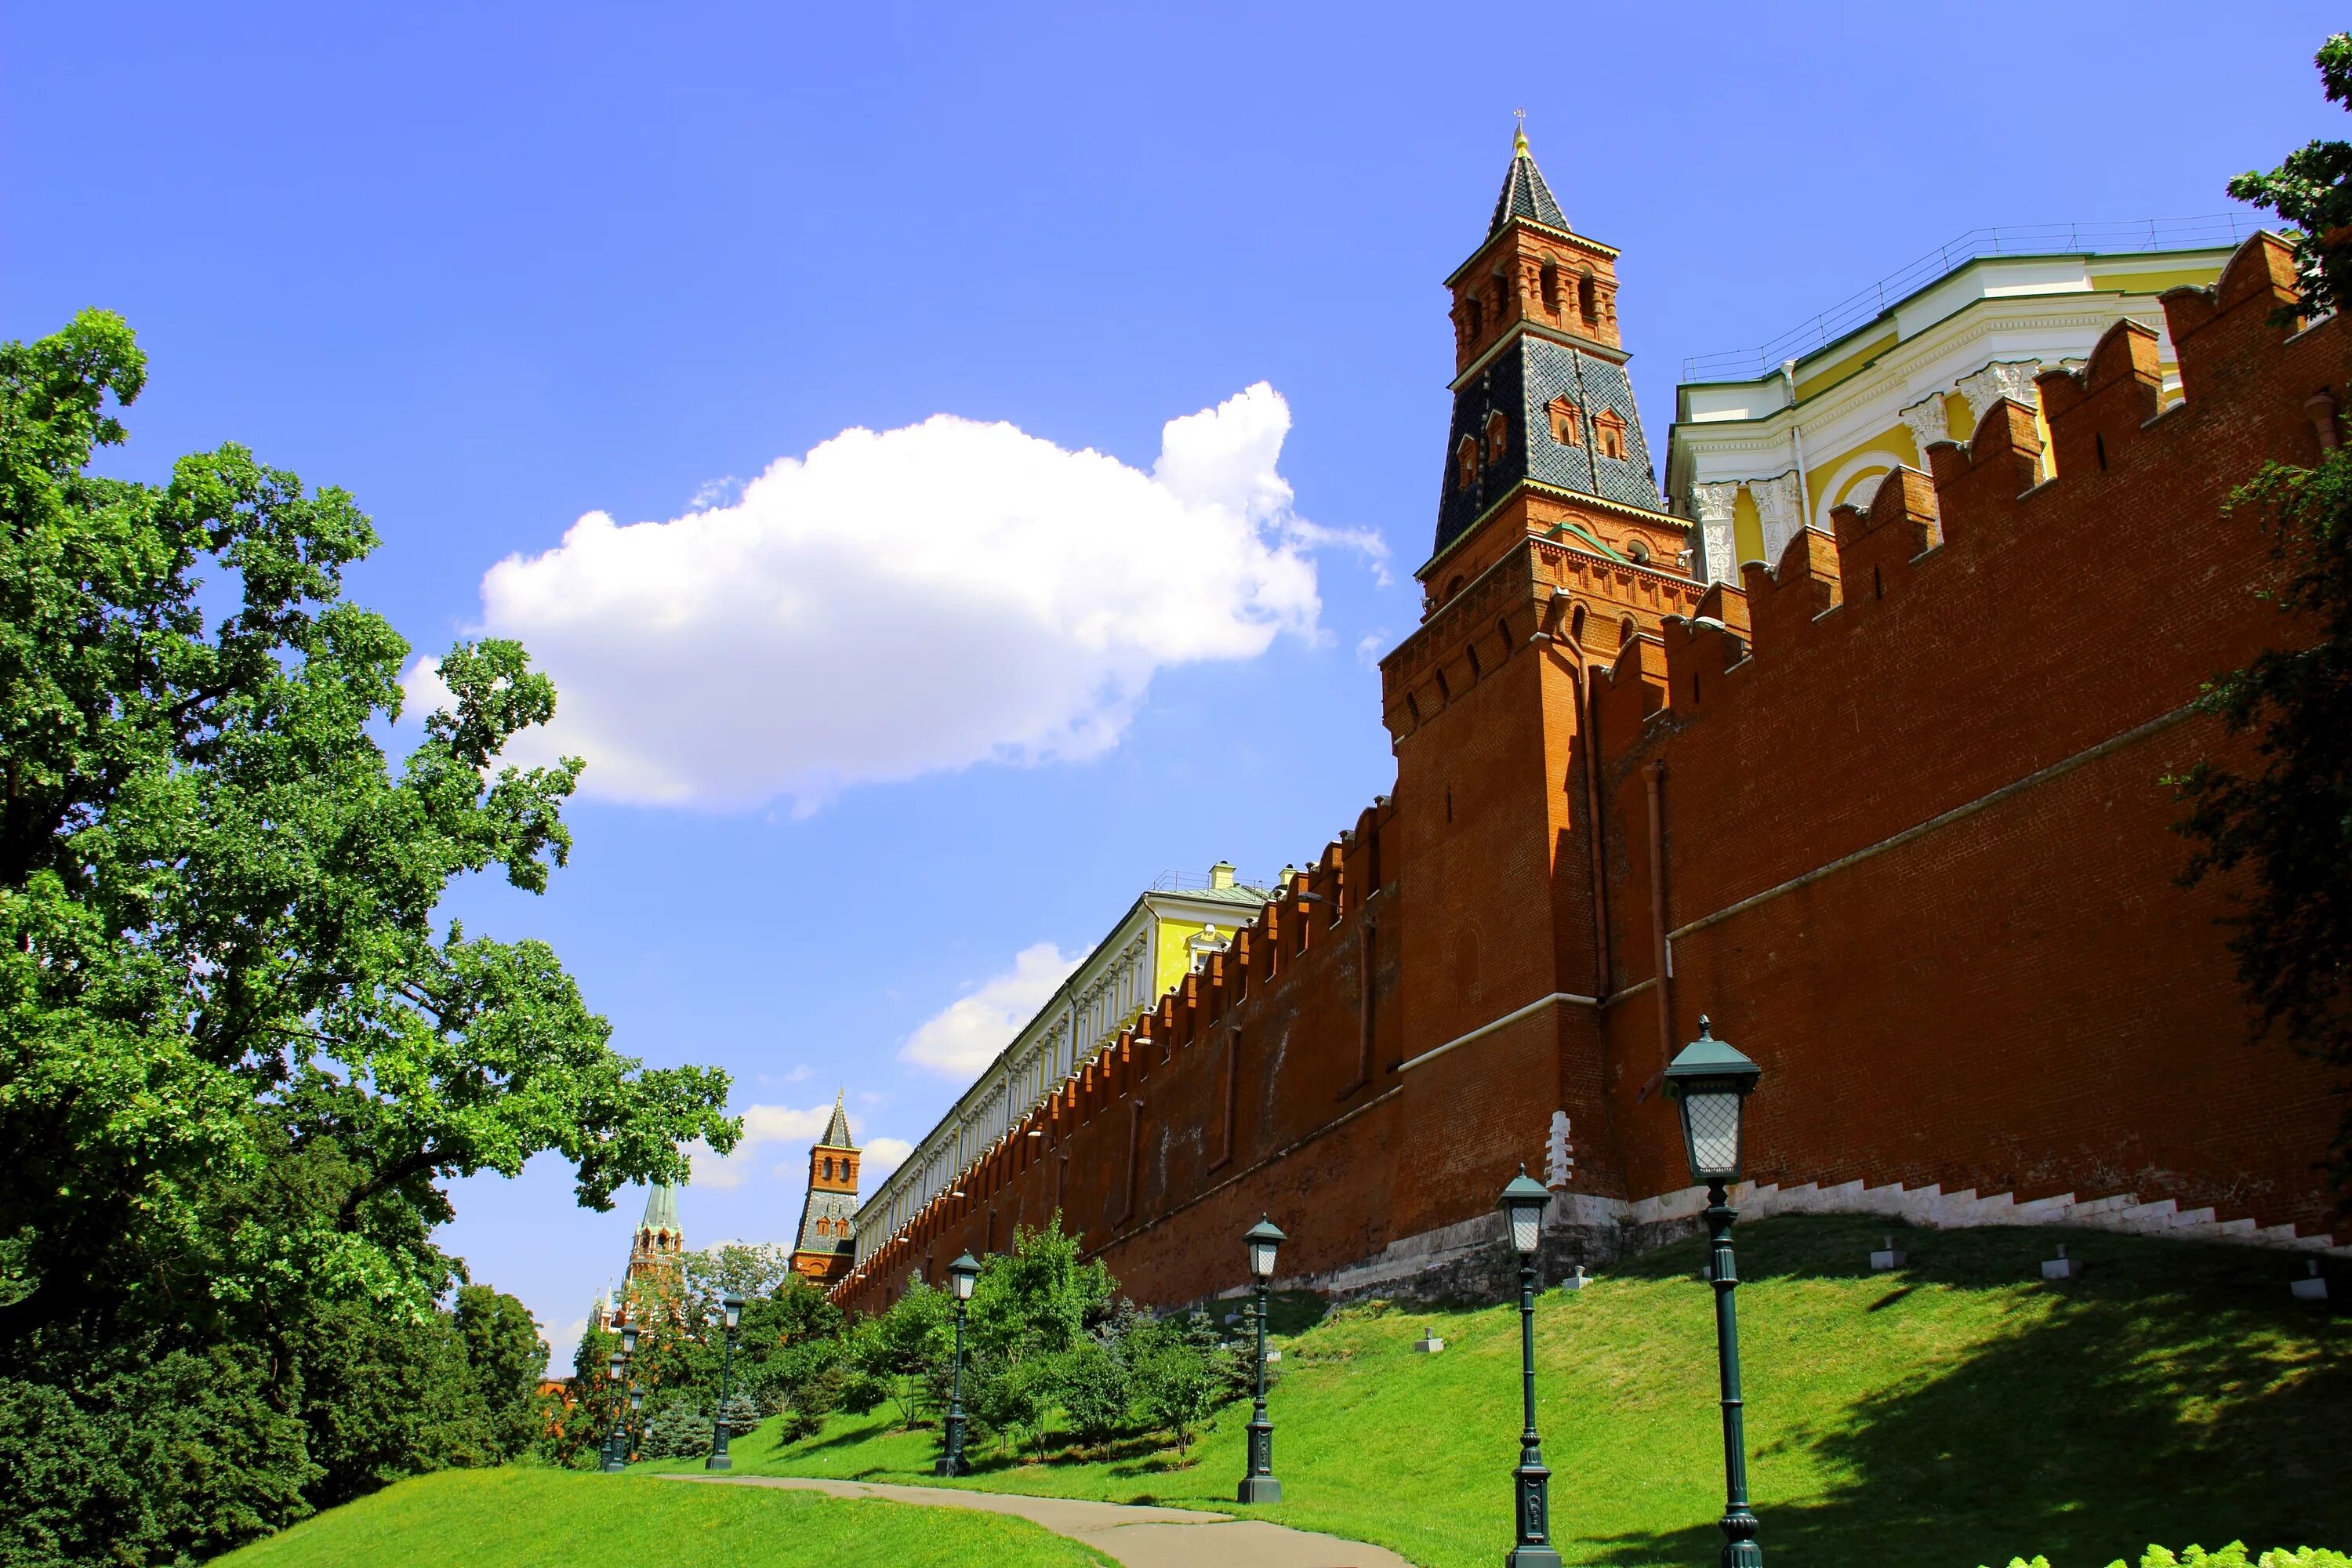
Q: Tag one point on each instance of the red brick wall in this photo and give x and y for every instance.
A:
(2019, 999)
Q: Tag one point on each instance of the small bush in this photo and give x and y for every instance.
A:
(2230, 1556)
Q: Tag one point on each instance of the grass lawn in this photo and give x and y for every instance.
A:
(527, 1518)
(1959, 1412)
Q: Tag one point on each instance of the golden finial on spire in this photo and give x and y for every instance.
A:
(1519, 137)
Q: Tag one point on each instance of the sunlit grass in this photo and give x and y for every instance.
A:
(528, 1518)
(1959, 1412)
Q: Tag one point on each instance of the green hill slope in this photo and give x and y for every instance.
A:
(1959, 1412)
(534, 1518)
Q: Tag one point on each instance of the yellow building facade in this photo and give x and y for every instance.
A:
(1167, 931)
(1766, 442)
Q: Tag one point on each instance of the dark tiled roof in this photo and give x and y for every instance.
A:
(836, 1132)
(1519, 383)
(1525, 194)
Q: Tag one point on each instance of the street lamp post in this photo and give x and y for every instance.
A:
(731, 1306)
(1524, 1202)
(1712, 1081)
(1259, 1485)
(961, 1273)
(616, 1451)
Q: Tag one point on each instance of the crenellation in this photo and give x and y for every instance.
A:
(2096, 415)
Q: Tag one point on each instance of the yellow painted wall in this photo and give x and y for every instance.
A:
(1173, 959)
(1746, 530)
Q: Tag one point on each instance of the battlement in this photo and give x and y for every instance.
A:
(2047, 532)
(1321, 908)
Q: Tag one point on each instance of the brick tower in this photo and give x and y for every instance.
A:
(1553, 554)
(656, 1254)
(827, 1242)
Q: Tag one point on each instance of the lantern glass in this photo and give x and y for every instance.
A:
(1527, 1226)
(629, 1339)
(963, 1274)
(732, 1305)
(636, 1399)
(1264, 1240)
(1711, 1131)
(613, 1369)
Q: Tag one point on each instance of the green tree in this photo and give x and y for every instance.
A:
(1037, 1299)
(1178, 1385)
(896, 1356)
(2312, 191)
(237, 1057)
(507, 1359)
(240, 1053)
(1093, 1386)
(2286, 821)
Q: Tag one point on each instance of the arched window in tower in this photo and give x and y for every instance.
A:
(1609, 434)
(1639, 548)
(1453, 587)
(828, 1167)
(1566, 421)
(1477, 314)
(1465, 459)
(1499, 435)
(1588, 298)
(1626, 634)
(1575, 626)
(1548, 278)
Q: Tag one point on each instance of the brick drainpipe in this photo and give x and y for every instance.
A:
(1654, 776)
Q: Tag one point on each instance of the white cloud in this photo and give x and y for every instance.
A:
(763, 1125)
(882, 1156)
(962, 1037)
(907, 601)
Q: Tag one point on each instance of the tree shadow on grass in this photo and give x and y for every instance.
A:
(2175, 1393)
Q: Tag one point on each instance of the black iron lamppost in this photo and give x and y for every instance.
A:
(731, 1306)
(1259, 1485)
(1522, 1202)
(616, 1451)
(1712, 1081)
(961, 1273)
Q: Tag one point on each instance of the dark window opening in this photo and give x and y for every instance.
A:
(1587, 298)
(1575, 626)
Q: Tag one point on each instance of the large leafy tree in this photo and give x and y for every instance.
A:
(237, 1049)
(240, 1051)
(2285, 821)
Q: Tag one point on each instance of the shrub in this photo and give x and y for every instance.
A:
(2230, 1556)
(676, 1428)
(1177, 1385)
(1094, 1385)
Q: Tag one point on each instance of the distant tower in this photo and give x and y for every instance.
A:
(656, 1253)
(827, 1244)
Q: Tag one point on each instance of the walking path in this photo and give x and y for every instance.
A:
(1137, 1537)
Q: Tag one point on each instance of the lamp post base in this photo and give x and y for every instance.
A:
(950, 1466)
(1531, 1557)
(718, 1462)
(1259, 1488)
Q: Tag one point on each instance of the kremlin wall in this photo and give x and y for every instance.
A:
(1889, 810)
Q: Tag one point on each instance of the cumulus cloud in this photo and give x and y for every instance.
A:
(763, 1125)
(900, 602)
(965, 1035)
(880, 1157)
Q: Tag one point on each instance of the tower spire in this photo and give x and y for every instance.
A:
(1526, 196)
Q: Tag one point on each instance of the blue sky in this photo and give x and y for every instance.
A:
(493, 268)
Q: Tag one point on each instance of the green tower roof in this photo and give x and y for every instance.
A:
(661, 1210)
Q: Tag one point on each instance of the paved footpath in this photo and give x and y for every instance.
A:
(1139, 1537)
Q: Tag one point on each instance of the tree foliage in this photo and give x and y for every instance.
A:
(2312, 191)
(2286, 822)
(240, 1051)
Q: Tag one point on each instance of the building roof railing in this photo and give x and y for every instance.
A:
(2155, 234)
